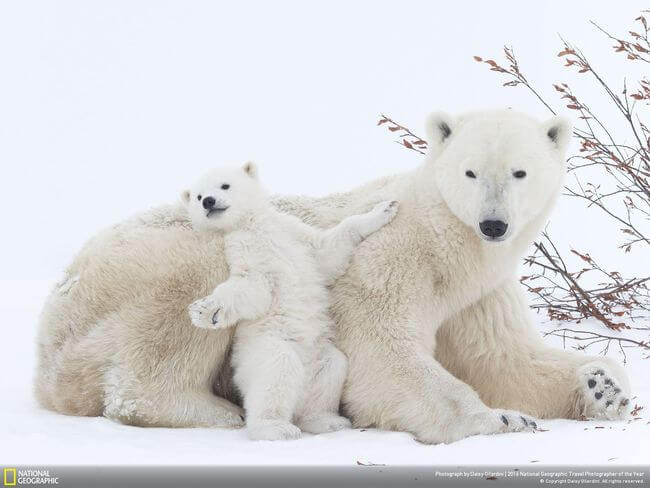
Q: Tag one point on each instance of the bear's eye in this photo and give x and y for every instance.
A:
(225, 186)
(519, 174)
(198, 197)
(470, 174)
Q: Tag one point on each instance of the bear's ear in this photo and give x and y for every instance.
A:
(558, 130)
(439, 128)
(185, 196)
(250, 169)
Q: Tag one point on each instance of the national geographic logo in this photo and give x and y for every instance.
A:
(9, 476)
(28, 477)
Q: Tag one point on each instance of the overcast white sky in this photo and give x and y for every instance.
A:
(107, 108)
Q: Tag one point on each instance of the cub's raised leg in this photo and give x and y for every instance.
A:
(336, 246)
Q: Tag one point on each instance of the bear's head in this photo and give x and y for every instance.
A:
(223, 197)
(497, 171)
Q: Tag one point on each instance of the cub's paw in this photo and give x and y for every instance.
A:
(604, 392)
(208, 313)
(379, 216)
(385, 211)
(324, 423)
(273, 431)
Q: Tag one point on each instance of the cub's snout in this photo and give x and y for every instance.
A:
(208, 203)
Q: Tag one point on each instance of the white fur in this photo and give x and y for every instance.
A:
(285, 363)
(431, 316)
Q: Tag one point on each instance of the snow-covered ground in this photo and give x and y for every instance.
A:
(32, 436)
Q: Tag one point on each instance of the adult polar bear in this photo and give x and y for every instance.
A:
(429, 313)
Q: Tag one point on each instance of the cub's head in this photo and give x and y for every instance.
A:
(222, 197)
(497, 171)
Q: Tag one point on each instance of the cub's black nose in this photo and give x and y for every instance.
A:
(493, 228)
(208, 203)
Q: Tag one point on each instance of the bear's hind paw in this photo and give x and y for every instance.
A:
(603, 397)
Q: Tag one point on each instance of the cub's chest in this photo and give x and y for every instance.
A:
(269, 250)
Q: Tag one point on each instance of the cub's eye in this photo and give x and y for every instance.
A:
(198, 197)
(225, 186)
(519, 174)
(470, 174)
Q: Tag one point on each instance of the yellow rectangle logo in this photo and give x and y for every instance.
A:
(9, 476)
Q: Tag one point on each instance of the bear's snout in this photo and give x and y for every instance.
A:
(493, 228)
(208, 203)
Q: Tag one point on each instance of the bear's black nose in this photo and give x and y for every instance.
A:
(493, 228)
(208, 203)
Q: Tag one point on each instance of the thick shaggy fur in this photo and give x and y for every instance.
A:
(430, 314)
(285, 364)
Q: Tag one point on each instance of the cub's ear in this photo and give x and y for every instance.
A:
(558, 130)
(439, 128)
(185, 196)
(250, 169)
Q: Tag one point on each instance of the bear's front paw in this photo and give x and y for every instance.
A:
(482, 421)
(514, 421)
(209, 313)
(604, 395)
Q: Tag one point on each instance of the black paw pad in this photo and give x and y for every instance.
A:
(608, 381)
(617, 390)
(591, 383)
(600, 372)
(598, 395)
(533, 425)
(504, 419)
(608, 403)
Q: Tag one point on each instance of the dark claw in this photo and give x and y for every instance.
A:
(525, 421)
(608, 403)
(598, 395)
(591, 383)
(504, 419)
(214, 317)
(624, 402)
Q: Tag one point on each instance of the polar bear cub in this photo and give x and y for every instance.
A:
(285, 364)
